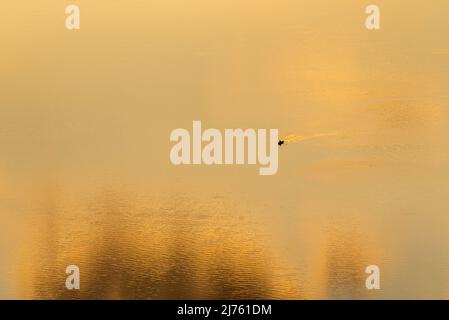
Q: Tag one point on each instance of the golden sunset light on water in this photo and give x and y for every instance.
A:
(360, 172)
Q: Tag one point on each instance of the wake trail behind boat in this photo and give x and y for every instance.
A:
(296, 138)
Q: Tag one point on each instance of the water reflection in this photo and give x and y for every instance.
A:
(345, 261)
(176, 249)
(85, 177)
(183, 247)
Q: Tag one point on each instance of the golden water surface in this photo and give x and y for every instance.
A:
(85, 175)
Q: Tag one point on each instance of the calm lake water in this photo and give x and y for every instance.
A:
(85, 175)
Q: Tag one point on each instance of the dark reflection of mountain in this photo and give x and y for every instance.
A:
(345, 265)
(45, 261)
(176, 249)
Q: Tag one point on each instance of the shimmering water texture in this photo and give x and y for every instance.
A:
(86, 179)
